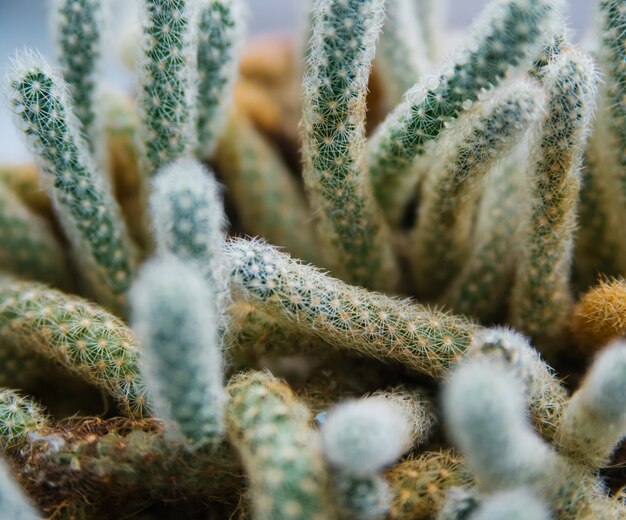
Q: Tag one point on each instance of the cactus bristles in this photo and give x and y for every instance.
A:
(79, 33)
(509, 35)
(19, 416)
(541, 301)
(28, 245)
(82, 198)
(181, 359)
(167, 83)
(594, 420)
(12, 500)
(220, 37)
(378, 326)
(83, 338)
(335, 85)
(441, 240)
(278, 448)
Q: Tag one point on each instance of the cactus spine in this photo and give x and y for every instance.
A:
(509, 36)
(79, 33)
(441, 239)
(82, 198)
(541, 299)
(335, 84)
(168, 82)
(181, 358)
(220, 37)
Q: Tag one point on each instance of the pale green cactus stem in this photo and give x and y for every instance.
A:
(279, 450)
(29, 247)
(189, 222)
(335, 86)
(14, 503)
(220, 38)
(267, 197)
(78, 27)
(515, 504)
(441, 240)
(181, 360)
(168, 89)
(541, 301)
(509, 35)
(348, 317)
(484, 280)
(419, 485)
(401, 54)
(19, 417)
(429, 15)
(86, 340)
(484, 411)
(82, 198)
(594, 420)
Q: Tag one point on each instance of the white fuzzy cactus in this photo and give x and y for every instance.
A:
(516, 504)
(13, 503)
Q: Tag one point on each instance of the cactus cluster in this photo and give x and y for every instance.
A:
(317, 280)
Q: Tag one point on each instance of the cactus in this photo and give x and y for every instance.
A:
(220, 36)
(78, 25)
(541, 300)
(14, 504)
(279, 450)
(333, 141)
(516, 504)
(19, 417)
(440, 240)
(167, 83)
(82, 198)
(29, 246)
(505, 37)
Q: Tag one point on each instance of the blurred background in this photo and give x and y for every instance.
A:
(24, 23)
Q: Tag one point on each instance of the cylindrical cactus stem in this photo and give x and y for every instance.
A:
(541, 301)
(419, 485)
(15, 505)
(168, 83)
(267, 197)
(78, 27)
(348, 317)
(430, 16)
(82, 197)
(189, 222)
(335, 86)
(508, 35)
(29, 247)
(19, 417)
(514, 504)
(600, 315)
(82, 337)
(484, 280)
(181, 360)
(279, 450)
(543, 392)
(220, 37)
(401, 54)
(475, 141)
(594, 420)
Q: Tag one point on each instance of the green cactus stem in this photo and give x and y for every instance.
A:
(19, 417)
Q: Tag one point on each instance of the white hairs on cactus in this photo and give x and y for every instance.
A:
(13, 502)
(333, 134)
(220, 38)
(515, 504)
(363, 436)
(78, 26)
(401, 52)
(509, 34)
(82, 198)
(541, 299)
(181, 358)
(361, 498)
(594, 420)
(469, 149)
(189, 222)
(168, 82)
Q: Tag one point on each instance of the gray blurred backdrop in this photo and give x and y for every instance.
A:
(24, 23)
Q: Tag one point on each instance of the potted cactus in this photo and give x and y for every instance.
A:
(252, 290)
